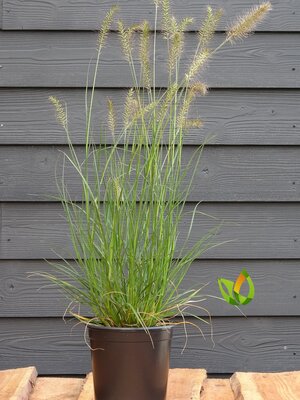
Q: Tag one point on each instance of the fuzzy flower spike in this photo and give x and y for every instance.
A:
(247, 23)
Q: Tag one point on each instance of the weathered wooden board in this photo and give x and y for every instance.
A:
(23, 294)
(225, 173)
(17, 384)
(258, 230)
(244, 344)
(60, 59)
(87, 391)
(67, 14)
(1, 14)
(185, 384)
(57, 389)
(232, 116)
(272, 386)
(216, 389)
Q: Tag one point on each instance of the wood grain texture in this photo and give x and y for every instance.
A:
(266, 231)
(225, 173)
(185, 384)
(239, 117)
(17, 384)
(1, 14)
(216, 389)
(25, 294)
(258, 230)
(57, 389)
(244, 344)
(60, 59)
(87, 391)
(272, 386)
(67, 14)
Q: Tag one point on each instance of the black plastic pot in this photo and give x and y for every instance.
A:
(127, 365)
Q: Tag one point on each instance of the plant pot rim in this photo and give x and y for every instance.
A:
(128, 329)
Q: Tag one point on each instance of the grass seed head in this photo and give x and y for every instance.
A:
(106, 25)
(126, 36)
(247, 23)
(182, 116)
(130, 108)
(199, 88)
(185, 23)
(144, 53)
(169, 23)
(176, 49)
(111, 116)
(60, 112)
(209, 26)
(193, 123)
(200, 59)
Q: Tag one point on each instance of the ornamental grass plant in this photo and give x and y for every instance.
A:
(129, 265)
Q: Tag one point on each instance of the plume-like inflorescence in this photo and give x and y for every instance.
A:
(209, 26)
(245, 24)
(106, 25)
(111, 116)
(126, 35)
(193, 123)
(198, 62)
(176, 48)
(131, 107)
(168, 99)
(60, 112)
(182, 116)
(144, 54)
(199, 88)
(185, 23)
(169, 23)
(176, 35)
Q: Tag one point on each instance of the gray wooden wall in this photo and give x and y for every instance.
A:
(249, 177)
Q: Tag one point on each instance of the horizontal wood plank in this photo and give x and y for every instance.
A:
(23, 293)
(17, 384)
(57, 389)
(87, 392)
(216, 389)
(60, 59)
(67, 14)
(239, 117)
(254, 230)
(185, 383)
(1, 14)
(251, 173)
(243, 344)
(258, 386)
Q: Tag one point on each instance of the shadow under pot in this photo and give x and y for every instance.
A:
(128, 364)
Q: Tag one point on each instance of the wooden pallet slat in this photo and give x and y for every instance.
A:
(266, 386)
(57, 389)
(185, 384)
(16, 384)
(87, 392)
(216, 389)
